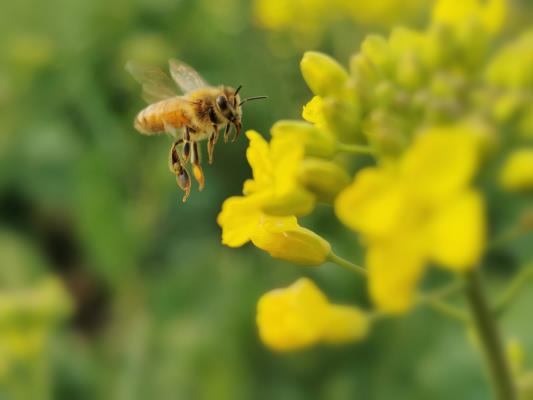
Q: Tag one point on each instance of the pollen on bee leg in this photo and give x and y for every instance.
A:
(199, 176)
(196, 168)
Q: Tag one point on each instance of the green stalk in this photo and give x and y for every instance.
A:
(489, 338)
(354, 148)
(341, 262)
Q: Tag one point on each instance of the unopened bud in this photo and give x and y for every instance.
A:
(377, 50)
(317, 142)
(323, 74)
(295, 244)
(325, 179)
(517, 172)
(343, 118)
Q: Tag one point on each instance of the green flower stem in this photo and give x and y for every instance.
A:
(435, 300)
(354, 148)
(341, 262)
(444, 308)
(513, 289)
(489, 338)
(510, 234)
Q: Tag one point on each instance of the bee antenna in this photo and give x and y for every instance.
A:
(238, 89)
(252, 98)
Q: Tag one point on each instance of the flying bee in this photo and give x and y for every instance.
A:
(200, 113)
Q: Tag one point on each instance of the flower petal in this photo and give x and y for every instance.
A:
(394, 270)
(457, 234)
(292, 318)
(238, 219)
(372, 204)
(345, 324)
(441, 161)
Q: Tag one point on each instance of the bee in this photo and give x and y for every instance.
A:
(198, 114)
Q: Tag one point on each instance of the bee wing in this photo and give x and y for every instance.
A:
(155, 83)
(185, 76)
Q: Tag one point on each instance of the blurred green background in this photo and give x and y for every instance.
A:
(159, 308)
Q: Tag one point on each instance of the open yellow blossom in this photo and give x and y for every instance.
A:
(300, 316)
(517, 172)
(242, 220)
(417, 210)
(275, 175)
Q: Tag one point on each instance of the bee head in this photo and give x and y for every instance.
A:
(228, 106)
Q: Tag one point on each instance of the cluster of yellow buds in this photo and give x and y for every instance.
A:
(437, 111)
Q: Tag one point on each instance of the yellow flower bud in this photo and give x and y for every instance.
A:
(386, 132)
(323, 74)
(363, 70)
(300, 315)
(409, 73)
(242, 219)
(377, 50)
(511, 66)
(317, 142)
(290, 242)
(325, 179)
(297, 201)
(343, 118)
(517, 172)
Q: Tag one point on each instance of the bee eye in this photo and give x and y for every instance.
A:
(222, 102)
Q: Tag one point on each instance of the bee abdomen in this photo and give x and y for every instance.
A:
(156, 118)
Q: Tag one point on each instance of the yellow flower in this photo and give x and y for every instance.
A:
(417, 210)
(517, 172)
(491, 13)
(275, 175)
(300, 316)
(242, 220)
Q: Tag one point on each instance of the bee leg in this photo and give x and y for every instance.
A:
(186, 144)
(237, 131)
(196, 168)
(211, 145)
(226, 133)
(177, 168)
